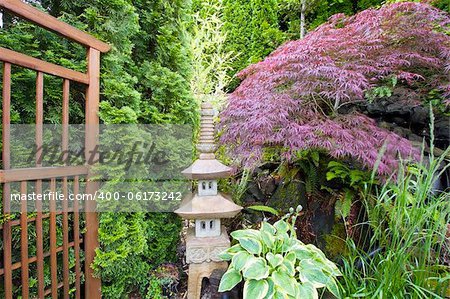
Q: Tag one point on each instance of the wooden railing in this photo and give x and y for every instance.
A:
(38, 174)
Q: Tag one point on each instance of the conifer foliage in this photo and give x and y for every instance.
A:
(292, 100)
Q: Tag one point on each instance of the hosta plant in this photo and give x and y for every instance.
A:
(274, 264)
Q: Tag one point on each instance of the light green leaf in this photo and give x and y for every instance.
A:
(251, 245)
(345, 204)
(271, 290)
(307, 291)
(229, 280)
(256, 269)
(316, 251)
(255, 289)
(235, 249)
(289, 263)
(267, 227)
(290, 257)
(287, 267)
(225, 256)
(331, 268)
(245, 233)
(310, 271)
(281, 226)
(288, 244)
(280, 295)
(230, 252)
(274, 260)
(240, 259)
(302, 252)
(268, 239)
(267, 209)
(330, 175)
(284, 282)
(333, 288)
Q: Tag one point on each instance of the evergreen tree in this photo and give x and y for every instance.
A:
(253, 31)
(144, 78)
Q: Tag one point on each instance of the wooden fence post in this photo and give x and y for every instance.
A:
(93, 284)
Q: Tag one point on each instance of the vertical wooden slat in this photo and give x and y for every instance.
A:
(39, 225)
(76, 238)
(53, 245)
(6, 109)
(93, 284)
(65, 147)
(24, 241)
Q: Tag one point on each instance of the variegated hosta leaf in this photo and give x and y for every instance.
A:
(284, 282)
(255, 289)
(256, 269)
(268, 239)
(245, 233)
(288, 264)
(225, 256)
(331, 268)
(316, 251)
(229, 280)
(279, 295)
(271, 290)
(306, 290)
(289, 244)
(274, 259)
(290, 257)
(281, 226)
(241, 259)
(234, 249)
(310, 272)
(268, 228)
(251, 245)
(303, 252)
(228, 254)
(333, 288)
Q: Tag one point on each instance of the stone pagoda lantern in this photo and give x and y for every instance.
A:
(206, 207)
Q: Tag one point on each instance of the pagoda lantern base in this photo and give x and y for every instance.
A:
(202, 255)
(199, 271)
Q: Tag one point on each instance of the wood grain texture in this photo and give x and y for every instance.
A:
(41, 66)
(93, 284)
(24, 242)
(53, 245)
(6, 109)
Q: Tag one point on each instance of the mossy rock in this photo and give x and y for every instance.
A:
(287, 195)
(335, 246)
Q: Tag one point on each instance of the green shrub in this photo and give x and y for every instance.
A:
(144, 78)
(253, 31)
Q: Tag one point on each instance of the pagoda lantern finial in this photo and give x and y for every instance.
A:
(206, 207)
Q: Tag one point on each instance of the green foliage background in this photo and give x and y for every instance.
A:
(145, 79)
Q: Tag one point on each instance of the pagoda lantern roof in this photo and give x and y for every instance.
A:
(203, 169)
(208, 207)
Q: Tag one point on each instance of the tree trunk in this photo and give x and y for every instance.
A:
(302, 19)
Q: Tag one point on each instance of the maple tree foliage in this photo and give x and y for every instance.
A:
(292, 99)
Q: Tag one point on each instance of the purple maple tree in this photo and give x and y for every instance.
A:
(291, 100)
